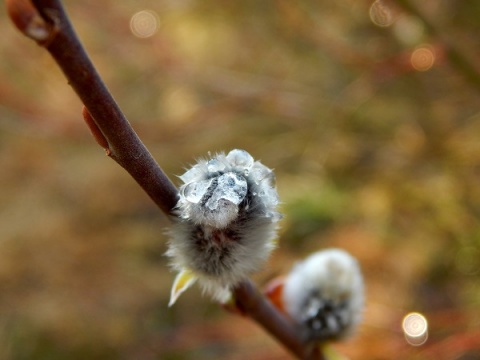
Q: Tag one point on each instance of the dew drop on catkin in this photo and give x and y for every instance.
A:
(226, 224)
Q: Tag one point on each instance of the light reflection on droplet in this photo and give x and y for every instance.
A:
(144, 24)
(381, 14)
(422, 58)
(415, 328)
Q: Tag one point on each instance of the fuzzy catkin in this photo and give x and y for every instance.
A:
(227, 221)
(325, 294)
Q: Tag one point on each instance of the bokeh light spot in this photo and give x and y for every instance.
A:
(409, 30)
(423, 58)
(415, 328)
(381, 14)
(144, 24)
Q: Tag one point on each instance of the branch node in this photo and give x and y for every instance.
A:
(96, 132)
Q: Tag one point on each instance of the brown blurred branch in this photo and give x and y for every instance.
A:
(256, 306)
(46, 22)
(458, 57)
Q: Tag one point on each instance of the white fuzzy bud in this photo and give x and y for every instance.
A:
(324, 293)
(226, 222)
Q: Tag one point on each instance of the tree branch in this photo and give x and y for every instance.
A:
(256, 306)
(58, 37)
(46, 22)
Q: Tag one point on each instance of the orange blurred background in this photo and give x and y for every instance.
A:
(372, 130)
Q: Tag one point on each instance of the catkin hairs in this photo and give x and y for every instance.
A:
(227, 222)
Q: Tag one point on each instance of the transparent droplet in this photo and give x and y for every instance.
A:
(261, 173)
(193, 174)
(194, 191)
(240, 158)
(230, 187)
(269, 197)
(214, 165)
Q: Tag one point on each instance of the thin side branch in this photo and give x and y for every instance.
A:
(46, 22)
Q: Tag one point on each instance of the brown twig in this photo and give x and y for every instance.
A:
(257, 307)
(46, 22)
(50, 27)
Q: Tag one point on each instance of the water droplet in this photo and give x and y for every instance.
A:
(214, 165)
(194, 191)
(230, 187)
(193, 174)
(240, 158)
(261, 173)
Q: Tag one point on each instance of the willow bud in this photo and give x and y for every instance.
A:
(325, 294)
(226, 223)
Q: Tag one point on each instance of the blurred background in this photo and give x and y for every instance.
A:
(367, 110)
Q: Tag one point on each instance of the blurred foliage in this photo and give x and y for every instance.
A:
(376, 150)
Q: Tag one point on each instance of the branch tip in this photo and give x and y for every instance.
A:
(28, 20)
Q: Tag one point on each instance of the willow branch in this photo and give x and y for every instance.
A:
(46, 22)
(257, 307)
(457, 56)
